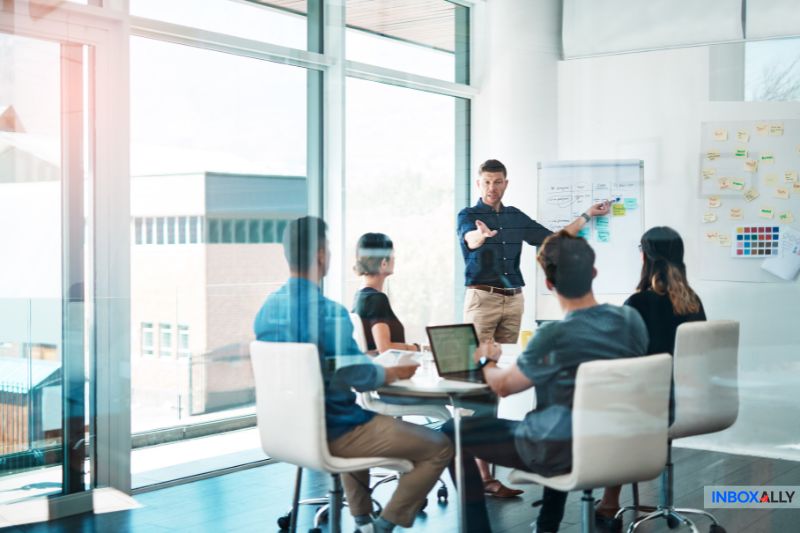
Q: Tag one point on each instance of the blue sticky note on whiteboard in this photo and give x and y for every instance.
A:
(631, 203)
(603, 236)
(584, 232)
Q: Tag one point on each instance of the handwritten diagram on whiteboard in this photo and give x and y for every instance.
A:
(568, 188)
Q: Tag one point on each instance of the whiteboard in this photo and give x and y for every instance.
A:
(725, 148)
(567, 189)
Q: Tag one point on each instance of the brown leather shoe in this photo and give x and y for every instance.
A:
(492, 487)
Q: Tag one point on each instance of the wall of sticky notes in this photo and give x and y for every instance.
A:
(748, 179)
(567, 189)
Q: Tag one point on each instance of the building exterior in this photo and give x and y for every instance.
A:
(205, 253)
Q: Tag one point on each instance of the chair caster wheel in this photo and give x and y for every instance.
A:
(441, 494)
(672, 522)
(716, 528)
(283, 522)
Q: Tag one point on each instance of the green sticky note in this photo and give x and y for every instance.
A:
(631, 203)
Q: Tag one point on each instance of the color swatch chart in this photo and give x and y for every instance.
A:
(756, 241)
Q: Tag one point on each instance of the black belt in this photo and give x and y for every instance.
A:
(505, 292)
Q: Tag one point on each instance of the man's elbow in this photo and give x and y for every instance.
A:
(501, 389)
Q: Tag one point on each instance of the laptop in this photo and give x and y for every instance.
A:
(453, 350)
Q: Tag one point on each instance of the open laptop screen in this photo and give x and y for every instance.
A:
(454, 348)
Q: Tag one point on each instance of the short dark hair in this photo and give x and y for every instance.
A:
(371, 250)
(492, 165)
(302, 239)
(568, 262)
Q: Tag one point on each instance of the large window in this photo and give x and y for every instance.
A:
(217, 150)
(401, 144)
(772, 70)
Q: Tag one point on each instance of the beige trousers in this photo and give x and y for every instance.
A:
(495, 316)
(383, 436)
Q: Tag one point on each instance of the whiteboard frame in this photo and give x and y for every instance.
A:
(547, 306)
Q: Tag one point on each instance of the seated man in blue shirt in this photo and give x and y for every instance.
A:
(542, 442)
(298, 312)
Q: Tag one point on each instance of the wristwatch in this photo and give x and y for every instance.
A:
(483, 361)
(586, 217)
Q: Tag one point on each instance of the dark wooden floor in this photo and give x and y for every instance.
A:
(251, 500)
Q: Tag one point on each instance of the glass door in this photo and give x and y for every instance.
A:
(44, 363)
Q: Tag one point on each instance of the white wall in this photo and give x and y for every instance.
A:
(515, 115)
(649, 106)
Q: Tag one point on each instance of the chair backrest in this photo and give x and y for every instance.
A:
(619, 420)
(290, 402)
(705, 374)
(358, 331)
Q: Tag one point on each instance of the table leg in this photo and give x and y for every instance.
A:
(461, 501)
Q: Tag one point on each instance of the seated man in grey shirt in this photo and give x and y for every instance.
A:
(542, 442)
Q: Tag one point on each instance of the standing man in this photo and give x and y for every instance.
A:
(491, 236)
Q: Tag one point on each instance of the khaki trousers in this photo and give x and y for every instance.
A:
(383, 436)
(495, 316)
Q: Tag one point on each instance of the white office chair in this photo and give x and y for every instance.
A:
(706, 401)
(619, 428)
(290, 410)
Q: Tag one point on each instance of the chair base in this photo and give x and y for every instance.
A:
(675, 517)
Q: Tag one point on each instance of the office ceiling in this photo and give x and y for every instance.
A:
(427, 22)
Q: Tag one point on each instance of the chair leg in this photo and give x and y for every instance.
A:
(335, 513)
(698, 512)
(295, 501)
(587, 512)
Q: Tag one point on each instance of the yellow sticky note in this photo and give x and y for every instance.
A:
(720, 134)
(766, 212)
(742, 136)
(776, 130)
(796, 187)
(787, 217)
(724, 239)
(618, 210)
(709, 217)
(750, 165)
(782, 193)
(771, 180)
(714, 201)
(711, 155)
(712, 236)
(767, 158)
(751, 195)
(724, 183)
(740, 152)
(736, 213)
(708, 172)
(737, 184)
(762, 128)
(790, 176)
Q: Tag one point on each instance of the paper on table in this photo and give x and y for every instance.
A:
(787, 264)
(398, 357)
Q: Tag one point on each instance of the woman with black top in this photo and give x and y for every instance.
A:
(665, 300)
(375, 261)
(384, 331)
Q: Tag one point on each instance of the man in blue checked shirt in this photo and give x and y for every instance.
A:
(299, 312)
(491, 236)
